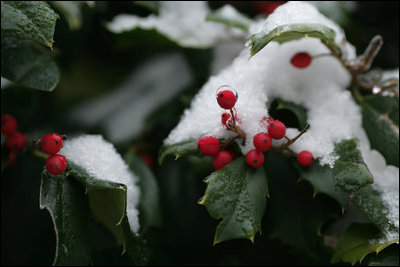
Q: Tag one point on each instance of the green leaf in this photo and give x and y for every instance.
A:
(179, 149)
(153, 6)
(371, 204)
(230, 17)
(64, 199)
(290, 32)
(357, 242)
(28, 65)
(345, 179)
(28, 20)
(380, 121)
(388, 257)
(237, 194)
(71, 11)
(299, 111)
(134, 245)
(107, 200)
(292, 214)
(149, 205)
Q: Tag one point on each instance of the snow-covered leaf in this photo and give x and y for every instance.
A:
(149, 203)
(230, 17)
(28, 20)
(286, 33)
(64, 199)
(345, 179)
(237, 195)
(357, 242)
(26, 64)
(379, 116)
(178, 150)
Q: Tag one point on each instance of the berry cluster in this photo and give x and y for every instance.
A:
(51, 143)
(210, 146)
(15, 141)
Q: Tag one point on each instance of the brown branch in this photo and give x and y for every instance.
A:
(291, 141)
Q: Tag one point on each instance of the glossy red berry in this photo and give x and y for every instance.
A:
(221, 159)
(301, 60)
(267, 7)
(8, 124)
(16, 141)
(226, 99)
(56, 164)
(208, 145)
(276, 129)
(51, 143)
(254, 158)
(262, 142)
(305, 158)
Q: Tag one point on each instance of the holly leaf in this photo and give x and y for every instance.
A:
(107, 200)
(290, 32)
(388, 257)
(292, 214)
(149, 204)
(237, 195)
(64, 199)
(279, 106)
(28, 65)
(357, 242)
(179, 149)
(153, 6)
(347, 177)
(28, 20)
(380, 121)
(230, 17)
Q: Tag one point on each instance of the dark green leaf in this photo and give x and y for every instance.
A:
(345, 179)
(237, 20)
(286, 33)
(149, 205)
(153, 6)
(180, 149)
(388, 257)
(134, 245)
(357, 242)
(64, 199)
(28, 20)
(299, 111)
(237, 195)
(107, 199)
(294, 216)
(71, 11)
(371, 204)
(382, 132)
(384, 104)
(28, 65)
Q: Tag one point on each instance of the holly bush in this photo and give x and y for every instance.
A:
(127, 90)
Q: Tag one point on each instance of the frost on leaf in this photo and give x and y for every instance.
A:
(101, 161)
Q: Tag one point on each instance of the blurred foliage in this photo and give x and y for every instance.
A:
(93, 61)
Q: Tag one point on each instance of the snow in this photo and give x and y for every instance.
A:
(181, 21)
(101, 160)
(5, 83)
(332, 113)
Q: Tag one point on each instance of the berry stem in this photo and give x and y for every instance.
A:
(40, 154)
(229, 141)
(291, 141)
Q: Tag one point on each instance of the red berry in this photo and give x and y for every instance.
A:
(226, 99)
(221, 159)
(56, 164)
(16, 141)
(8, 124)
(305, 158)
(254, 158)
(301, 60)
(51, 143)
(267, 6)
(148, 159)
(276, 129)
(208, 145)
(224, 118)
(262, 142)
